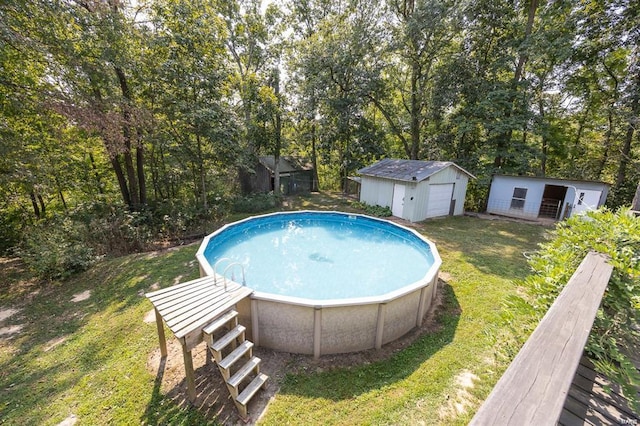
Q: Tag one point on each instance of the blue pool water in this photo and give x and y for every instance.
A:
(315, 255)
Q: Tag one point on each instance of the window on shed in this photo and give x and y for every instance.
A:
(517, 200)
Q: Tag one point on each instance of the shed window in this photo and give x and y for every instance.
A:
(519, 195)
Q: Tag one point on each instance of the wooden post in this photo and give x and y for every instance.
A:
(188, 371)
(382, 310)
(317, 332)
(255, 325)
(161, 337)
(423, 305)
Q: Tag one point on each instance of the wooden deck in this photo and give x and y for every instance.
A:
(187, 308)
(588, 402)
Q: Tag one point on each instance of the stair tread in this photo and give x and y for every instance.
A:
(220, 322)
(236, 354)
(246, 369)
(246, 395)
(225, 340)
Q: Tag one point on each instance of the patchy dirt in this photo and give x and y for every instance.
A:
(5, 313)
(463, 399)
(213, 399)
(79, 297)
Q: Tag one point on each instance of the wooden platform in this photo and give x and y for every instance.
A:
(187, 308)
(588, 402)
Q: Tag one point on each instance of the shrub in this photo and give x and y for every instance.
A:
(255, 203)
(615, 330)
(56, 249)
(376, 210)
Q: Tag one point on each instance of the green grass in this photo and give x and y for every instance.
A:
(98, 371)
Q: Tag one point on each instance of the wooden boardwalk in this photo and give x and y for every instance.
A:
(588, 403)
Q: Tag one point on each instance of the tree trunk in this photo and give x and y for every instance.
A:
(34, 203)
(607, 144)
(96, 174)
(504, 139)
(278, 136)
(142, 183)
(545, 139)
(625, 156)
(122, 181)
(415, 112)
(136, 185)
(635, 205)
(314, 158)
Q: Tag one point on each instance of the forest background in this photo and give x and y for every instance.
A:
(124, 122)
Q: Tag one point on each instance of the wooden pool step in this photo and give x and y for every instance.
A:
(225, 336)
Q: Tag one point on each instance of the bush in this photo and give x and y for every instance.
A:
(61, 246)
(56, 249)
(376, 210)
(255, 203)
(615, 330)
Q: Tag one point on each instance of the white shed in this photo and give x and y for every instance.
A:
(415, 190)
(533, 197)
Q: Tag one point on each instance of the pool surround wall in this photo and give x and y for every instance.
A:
(319, 327)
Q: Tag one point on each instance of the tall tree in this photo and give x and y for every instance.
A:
(92, 46)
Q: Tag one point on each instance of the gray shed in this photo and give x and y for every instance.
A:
(532, 197)
(415, 190)
(296, 174)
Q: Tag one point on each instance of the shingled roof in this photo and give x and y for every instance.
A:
(408, 170)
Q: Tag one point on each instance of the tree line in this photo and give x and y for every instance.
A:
(163, 106)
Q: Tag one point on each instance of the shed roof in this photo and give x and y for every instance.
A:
(408, 170)
(547, 178)
(287, 164)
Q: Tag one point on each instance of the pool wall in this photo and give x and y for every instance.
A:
(327, 329)
(320, 327)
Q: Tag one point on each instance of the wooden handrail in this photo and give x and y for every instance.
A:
(533, 389)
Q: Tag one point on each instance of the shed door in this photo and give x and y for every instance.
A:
(586, 200)
(397, 206)
(439, 199)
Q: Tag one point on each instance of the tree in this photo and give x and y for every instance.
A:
(187, 75)
(91, 49)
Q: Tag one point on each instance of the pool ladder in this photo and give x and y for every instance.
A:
(224, 274)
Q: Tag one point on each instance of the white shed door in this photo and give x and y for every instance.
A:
(586, 200)
(397, 206)
(439, 199)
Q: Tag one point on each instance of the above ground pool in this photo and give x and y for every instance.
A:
(324, 282)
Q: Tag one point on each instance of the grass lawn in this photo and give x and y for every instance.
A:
(80, 347)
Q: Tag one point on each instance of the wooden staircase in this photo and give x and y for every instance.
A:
(234, 356)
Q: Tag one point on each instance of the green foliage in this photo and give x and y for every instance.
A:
(615, 330)
(64, 245)
(56, 249)
(376, 210)
(256, 203)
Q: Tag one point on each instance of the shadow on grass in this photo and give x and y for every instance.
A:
(212, 405)
(65, 342)
(346, 383)
(171, 408)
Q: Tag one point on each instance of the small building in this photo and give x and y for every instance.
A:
(296, 175)
(533, 197)
(415, 190)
